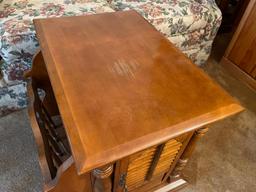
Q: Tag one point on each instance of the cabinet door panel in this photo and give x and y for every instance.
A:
(142, 169)
(243, 52)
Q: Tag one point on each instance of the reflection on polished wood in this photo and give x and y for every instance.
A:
(103, 179)
(121, 86)
(131, 104)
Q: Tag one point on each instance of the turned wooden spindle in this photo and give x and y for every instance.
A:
(182, 162)
(103, 181)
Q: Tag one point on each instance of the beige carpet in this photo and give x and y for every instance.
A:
(224, 161)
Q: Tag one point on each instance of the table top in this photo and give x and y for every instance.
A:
(121, 86)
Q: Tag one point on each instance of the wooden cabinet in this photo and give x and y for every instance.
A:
(145, 170)
(140, 170)
(156, 167)
(240, 56)
(131, 114)
(232, 11)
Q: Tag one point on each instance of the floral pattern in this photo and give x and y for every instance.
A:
(6, 12)
(13, 97)
(18, 41)
(190, 24)
(52, 10)
(14, 26)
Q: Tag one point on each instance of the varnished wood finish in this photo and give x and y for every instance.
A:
(168, 155)
(139, 165)
(69, 181)
(41, 78)
(121, 175)
(183, 160)
(241, 50)
(57, 165)
(49, 134)
(240, 26)
(238, 73)
(147, 169)
(39, 140)
(103, 181)
(155, 161)
(122, 87)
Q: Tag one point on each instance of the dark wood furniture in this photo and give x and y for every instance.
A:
(232, 11)
(132, 105)
(240, 56)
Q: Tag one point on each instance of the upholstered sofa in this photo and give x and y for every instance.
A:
(190, 24)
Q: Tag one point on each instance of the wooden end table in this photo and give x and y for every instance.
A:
(133, 106)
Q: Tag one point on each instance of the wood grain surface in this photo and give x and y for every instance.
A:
(122, 87)
(243, 52)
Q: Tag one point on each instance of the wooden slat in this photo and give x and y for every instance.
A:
(168, 155)
(139, 165)
(152, 167)
(151, 162)
(53, 135)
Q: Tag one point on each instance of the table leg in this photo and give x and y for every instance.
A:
(103, 181)
(182, 162)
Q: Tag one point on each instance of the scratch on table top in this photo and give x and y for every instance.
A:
(125, 68)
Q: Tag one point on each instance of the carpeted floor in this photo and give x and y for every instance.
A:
(19, 169)
(224, 161)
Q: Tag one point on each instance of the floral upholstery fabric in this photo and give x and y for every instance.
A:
(189, 24)
(12, 98)
(18, 41)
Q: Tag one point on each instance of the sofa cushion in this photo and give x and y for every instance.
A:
(12, 98)
(186, 23)
(175, 16)
(18, 41)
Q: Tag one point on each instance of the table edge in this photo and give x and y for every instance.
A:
(84, 163)
(157, 137)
